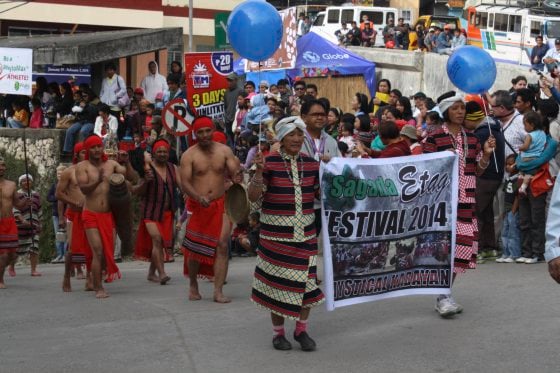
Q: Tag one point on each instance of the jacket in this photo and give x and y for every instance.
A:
(482, 133)
(152, 84)
(111, 90)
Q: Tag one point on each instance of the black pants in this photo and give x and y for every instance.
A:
(318, 221)
(532, 224)
(485, 192)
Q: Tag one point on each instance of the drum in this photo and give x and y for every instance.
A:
(237, 204)
(120, 202)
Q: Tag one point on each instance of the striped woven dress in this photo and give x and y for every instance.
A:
(468, 149)
(285, 279)
(29, 236)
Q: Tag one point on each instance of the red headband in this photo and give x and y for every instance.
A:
(202, 122)
(220, 137)
(91, 142)
(77, 149)
(160, 143)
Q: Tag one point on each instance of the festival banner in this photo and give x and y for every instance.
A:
(285, 55)
(16, 66)
(206, 74)
(73, 74)
(388, 226)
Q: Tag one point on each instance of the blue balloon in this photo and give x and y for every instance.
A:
(255, 30)
(471, 69)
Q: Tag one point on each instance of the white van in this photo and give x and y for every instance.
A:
(329, 21)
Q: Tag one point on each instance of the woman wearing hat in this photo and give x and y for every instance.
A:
(285, 276)
(473, 160)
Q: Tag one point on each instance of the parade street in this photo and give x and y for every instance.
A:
(510, 324)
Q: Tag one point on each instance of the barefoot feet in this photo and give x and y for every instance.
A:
(101, 294)
(164, 280)
(66, 287)
(153, 278)
(2, 286)
(12, 271)
(36, 274)
(221, 298)
(194, 294)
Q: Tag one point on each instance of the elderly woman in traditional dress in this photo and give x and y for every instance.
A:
(473, 160)
(285, 280)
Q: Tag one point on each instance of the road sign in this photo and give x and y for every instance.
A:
(177, 117)
(221, 40)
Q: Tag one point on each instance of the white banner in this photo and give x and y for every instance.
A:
(388, 226)
(16, 69)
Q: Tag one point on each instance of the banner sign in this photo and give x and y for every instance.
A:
(206, 81)
(16, 66)
(285, 55)
(388, 226)
(73, 74)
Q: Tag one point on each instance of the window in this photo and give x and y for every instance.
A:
(407, 15)
(347, 15)
(375, 17)
(514, 23)
(490, 20)
(333, 16)
(319, 20)
(535, 28)
(501, 22)
(482, 20)
(390, 15)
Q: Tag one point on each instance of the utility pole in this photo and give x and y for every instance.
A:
(191, 25)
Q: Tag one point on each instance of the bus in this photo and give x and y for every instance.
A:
(508, 33)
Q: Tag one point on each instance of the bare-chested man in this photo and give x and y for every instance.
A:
(157, 207)
(69, 192)
(93, 179)
(9, 198)
(203, 170)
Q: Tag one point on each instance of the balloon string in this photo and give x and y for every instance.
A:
(489, 131)
(260, 116)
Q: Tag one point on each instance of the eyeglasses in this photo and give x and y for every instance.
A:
(300, 88)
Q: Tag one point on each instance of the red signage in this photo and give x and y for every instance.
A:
(206, 81)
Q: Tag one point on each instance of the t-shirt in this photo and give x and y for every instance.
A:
(510, 191)
(397, 149)
(538, 141)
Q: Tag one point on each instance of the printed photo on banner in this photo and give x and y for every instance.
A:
(206, 81)
(389, 226)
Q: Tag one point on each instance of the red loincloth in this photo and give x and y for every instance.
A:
(80, 252)
(143, 248)
(8, 236)
(105, 224)
(202, 235)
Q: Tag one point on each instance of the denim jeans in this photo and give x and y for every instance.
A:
(511, 236)
(60, 246)
(14, 123)
(85, 130)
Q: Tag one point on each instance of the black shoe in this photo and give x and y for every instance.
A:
(305, 341)
(281, 343)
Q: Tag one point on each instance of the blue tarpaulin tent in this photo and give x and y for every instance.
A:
(319, 57)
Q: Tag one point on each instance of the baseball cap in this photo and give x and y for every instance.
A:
(138, 91)
(409, 131)
(232, 76)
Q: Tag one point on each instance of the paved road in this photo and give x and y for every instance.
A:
(510, 324)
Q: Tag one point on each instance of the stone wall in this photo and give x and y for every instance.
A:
(43, 150)
(411, 72)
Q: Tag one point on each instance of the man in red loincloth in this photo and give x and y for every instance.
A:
(93, 179)
(8, 229)
(155, 232)
(203, 171)
(78, 252)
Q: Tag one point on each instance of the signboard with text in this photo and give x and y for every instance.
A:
(73, 74)
(206, 81)
(221, 40)
(16, 66)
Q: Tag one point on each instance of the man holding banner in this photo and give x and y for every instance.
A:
(453, 137)
(285, 276)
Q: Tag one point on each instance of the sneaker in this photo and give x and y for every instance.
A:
(305, 341)
(508, 260)
(281, 343)
(445, 307)
(480, 259)
(501, 259)
(522, 259)
(457, 305)
(534, 260)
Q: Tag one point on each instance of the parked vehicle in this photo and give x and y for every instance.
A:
(508, 33)
(329, 21)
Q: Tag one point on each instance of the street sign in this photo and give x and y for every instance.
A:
(177, 117)
(221, 40)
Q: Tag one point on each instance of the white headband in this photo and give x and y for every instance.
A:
(25, 177)
(444, 105)
(287, 125)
